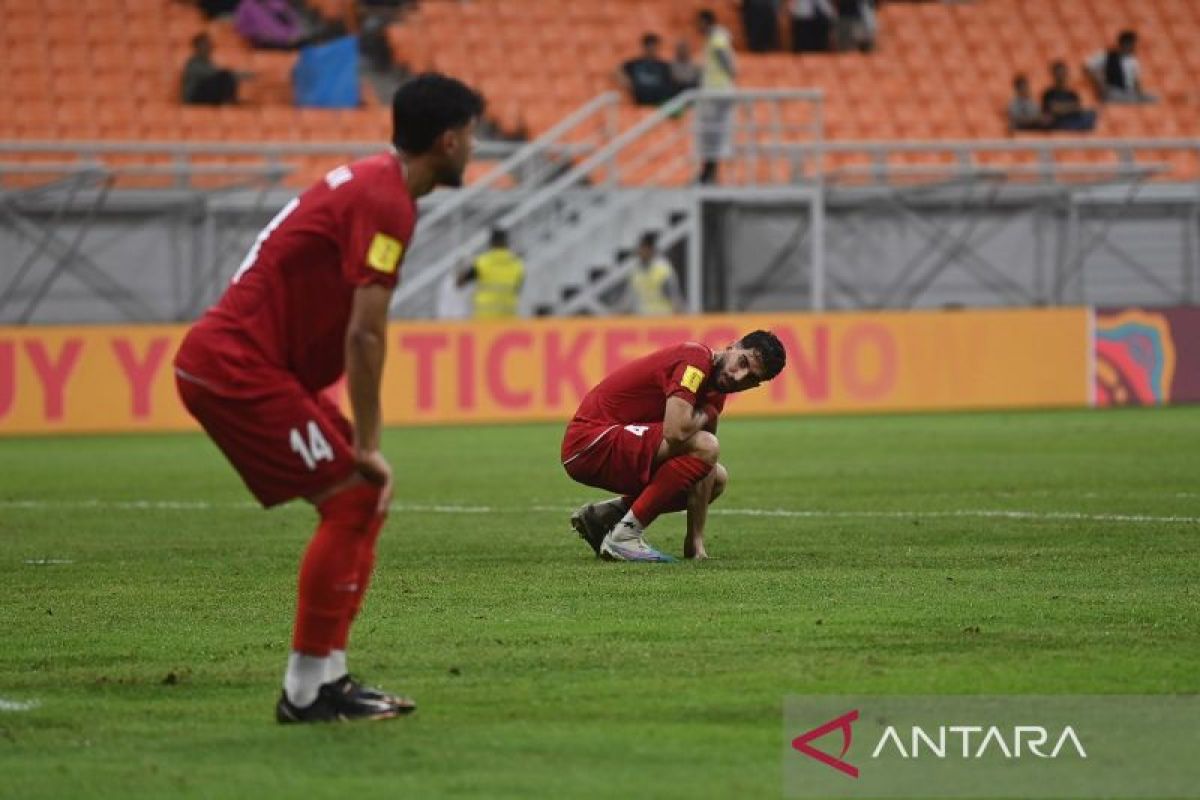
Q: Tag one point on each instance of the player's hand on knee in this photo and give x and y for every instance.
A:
(374, 467)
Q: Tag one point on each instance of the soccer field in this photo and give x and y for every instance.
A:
(146, 604)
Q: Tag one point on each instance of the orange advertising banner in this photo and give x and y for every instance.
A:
(120, 378)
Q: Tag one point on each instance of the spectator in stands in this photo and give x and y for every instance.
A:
(811, 22)
(760, 19)
(498, 274)
(855, 28)
(212, 9)
(1024, 114)
(205, 83)
(272, 24)
(713, 114)
(685, 72)
(653, 288)
(1117, 74)
(1061, 105)
(648, 77)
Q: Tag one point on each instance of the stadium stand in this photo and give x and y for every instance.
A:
(108, 70)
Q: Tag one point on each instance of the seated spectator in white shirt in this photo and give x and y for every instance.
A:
(1117, 74)
(1023, 111)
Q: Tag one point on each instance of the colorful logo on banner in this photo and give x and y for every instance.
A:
(1135, 359)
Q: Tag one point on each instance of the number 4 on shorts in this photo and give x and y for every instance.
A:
(637, 430)
(315, 449)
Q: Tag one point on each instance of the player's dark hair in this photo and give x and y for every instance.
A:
(770, 351)
(499, 238)
(428, 105)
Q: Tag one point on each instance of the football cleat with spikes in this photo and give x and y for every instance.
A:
(347, 685)
(336, 702)
(593, 520)
(635, 549)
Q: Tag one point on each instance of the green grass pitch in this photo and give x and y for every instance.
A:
(146, 605)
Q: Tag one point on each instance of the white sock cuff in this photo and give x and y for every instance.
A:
(336, 666)
(304, 677)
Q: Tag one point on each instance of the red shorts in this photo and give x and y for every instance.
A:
(618, 458)
(285, 444)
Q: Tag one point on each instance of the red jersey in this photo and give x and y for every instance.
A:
(289, 303)
(638, 391)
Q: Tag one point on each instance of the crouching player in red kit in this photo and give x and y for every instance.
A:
(309, 302)
(648, 432)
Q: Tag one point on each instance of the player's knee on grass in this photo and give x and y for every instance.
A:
(704, 446)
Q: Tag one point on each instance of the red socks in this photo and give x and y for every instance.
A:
(668, 485)
(334, 572)
(366, 563)
(677, 503)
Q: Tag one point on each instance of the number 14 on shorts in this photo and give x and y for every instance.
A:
(315, 449)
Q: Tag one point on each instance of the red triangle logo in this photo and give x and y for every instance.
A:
(843, 723)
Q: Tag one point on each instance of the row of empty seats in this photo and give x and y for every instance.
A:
(109, 69)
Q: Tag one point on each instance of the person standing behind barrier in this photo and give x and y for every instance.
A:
(855, 25)
(812, 21)
(760, 18)
(653, 288)
(713, 116)
(498, 275)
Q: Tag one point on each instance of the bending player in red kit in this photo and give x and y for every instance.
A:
(648, 432)
(309, 302)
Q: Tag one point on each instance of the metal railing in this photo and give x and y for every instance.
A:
(577, 188)
(182, 160)
(568, 200)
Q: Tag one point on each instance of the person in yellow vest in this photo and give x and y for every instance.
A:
(713, 115)
(653, 289)
(498, 274)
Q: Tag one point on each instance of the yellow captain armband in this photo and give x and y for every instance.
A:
(384, 253)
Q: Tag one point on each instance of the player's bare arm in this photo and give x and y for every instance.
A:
(366, 349)
(681, 422)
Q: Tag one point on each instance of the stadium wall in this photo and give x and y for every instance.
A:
(119, 378)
